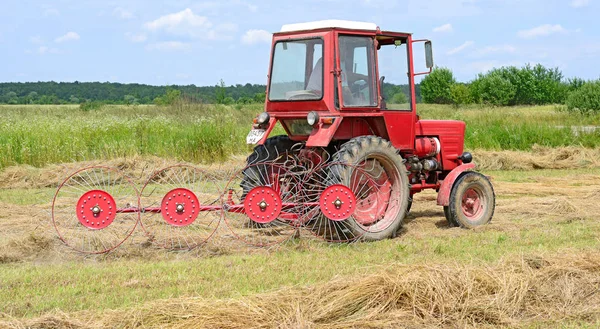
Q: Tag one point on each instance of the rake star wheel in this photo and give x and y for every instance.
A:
(92, 209)
(339, 201)
(372, 170)
(180, 207)
(262, 203)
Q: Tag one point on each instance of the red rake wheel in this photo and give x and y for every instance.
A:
(345, 201)
(90, 209)
(96, 209)
(268, 190)
(337, 202)
(180, 207)
(262, 205)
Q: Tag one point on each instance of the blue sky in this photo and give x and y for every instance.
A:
(201, 42)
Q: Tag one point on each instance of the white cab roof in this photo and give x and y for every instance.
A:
(329, 24)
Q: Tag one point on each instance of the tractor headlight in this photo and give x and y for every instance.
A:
(263, 118)
(312, 118)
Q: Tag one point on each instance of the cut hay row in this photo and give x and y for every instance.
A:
(140, 168)
(529, 291)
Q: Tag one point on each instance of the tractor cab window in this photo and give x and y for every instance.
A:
(358, 73)
(297, 70)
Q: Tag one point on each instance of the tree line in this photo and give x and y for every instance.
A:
(509, 86)
(132, 93)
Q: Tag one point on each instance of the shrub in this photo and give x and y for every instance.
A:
(399, 98)
(435, 88)
(91, 105)
(493, 88)
(586, 99)
(170, 98)
(460, 94)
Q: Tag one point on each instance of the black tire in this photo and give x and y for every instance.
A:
(410, 201)
(276, 148)
(472, 201)
(372, 148)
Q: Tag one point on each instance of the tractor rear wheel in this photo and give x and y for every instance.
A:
(276, 149)
(382, 201)
(472, 201)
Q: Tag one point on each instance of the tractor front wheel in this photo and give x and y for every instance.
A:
(472, 201)
(377, 175)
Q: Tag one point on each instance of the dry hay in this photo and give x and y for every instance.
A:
(539, 158)
(511, 293)
(138, 168)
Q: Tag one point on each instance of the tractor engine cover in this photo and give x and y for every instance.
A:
(426, 147)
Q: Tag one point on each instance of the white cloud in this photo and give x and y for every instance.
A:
(256, 36)
(443, 28)
(460, 48)
(122, 13)
(136, 37)
(169, 46)
(579, 3)
(541, 31)
(70, 36)
(183, 22)
(505, 49)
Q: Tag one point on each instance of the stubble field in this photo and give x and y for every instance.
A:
(535, 265)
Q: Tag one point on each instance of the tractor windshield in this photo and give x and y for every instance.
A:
(297, 70)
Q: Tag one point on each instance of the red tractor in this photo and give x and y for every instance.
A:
(325, 89)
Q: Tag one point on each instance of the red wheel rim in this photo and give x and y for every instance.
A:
(471, 204)
(96, 209)
(262, 204)
(179, 207)
(337, 202)
(377, 201)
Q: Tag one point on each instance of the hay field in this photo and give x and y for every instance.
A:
(535, 266)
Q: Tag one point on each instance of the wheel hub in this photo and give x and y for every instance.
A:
(471, 204)
(337, 202)
(179, 207)
(262, 204)
(95, 209)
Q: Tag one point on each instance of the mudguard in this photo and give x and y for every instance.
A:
(444, 192)
(323, 133)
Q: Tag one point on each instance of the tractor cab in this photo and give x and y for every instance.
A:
(325, 88)
(323, 72)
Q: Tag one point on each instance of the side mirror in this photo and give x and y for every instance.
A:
(428, 55)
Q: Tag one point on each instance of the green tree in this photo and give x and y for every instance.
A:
(435, 88)
(460, 94)
(220, 92)
(130, 99)
(260, 97)
(493, 88)
(399, 98)
(586, 99)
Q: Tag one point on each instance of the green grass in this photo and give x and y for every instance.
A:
(38, 135)
(29, 290)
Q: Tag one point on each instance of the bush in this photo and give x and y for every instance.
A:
(170, 98)
(460, 94)
(586, 99)
(399, 98)
(435, 88)
(91, 105)
(493, 88)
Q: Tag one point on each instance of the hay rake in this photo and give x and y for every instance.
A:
(180, 207)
